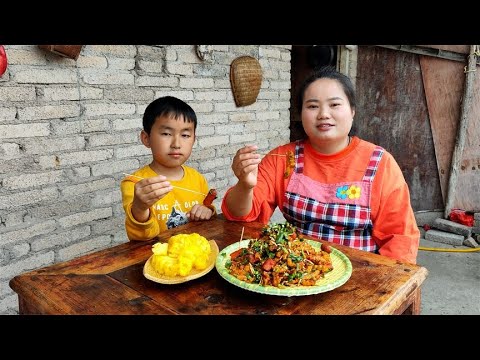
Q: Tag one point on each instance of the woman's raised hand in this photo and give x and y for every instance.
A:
(245, 165)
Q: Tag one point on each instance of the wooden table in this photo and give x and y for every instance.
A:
(111, 281)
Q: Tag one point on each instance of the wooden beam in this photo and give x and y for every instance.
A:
(470, 70)
(438, 53)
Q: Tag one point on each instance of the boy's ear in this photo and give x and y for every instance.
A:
(145, 138)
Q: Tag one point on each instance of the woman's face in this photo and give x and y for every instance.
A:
(326, 115)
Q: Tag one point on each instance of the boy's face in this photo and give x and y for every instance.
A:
(171, 140)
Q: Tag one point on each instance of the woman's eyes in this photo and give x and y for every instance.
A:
(316, 106)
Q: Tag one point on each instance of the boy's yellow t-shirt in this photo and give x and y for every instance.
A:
(168, 212)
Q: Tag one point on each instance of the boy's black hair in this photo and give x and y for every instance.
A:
(328, 72)
(168, 105)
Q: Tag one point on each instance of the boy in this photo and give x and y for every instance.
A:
(166, 193)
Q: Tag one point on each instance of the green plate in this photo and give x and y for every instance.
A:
(342, 270)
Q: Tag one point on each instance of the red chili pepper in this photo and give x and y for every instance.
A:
(3, 60)
(212, 195)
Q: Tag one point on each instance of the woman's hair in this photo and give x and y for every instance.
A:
(328, 72)
(168, 105)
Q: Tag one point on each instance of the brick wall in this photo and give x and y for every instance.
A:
(69, 129)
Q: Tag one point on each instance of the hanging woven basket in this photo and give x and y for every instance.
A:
(246, 79)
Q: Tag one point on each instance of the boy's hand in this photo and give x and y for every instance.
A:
(200, 212)
(245, 165)
(147, 192)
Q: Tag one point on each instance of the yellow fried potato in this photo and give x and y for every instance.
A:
(181, 254)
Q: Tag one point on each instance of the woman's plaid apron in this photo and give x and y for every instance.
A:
(339, 213)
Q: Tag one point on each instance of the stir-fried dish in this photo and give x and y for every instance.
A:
(280, 257)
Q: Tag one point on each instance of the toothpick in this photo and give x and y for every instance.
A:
(241, 237)
(272, 154)
(177, 187)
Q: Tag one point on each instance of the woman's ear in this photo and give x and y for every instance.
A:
(353, 113)
(145, 138)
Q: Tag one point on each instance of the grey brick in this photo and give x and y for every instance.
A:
(196, 83)
(32, 180)
(109, 226)
(444, 237)
(84, 217)
(453, 227)
(17, 93)
(128, 124)
(97, 125)
(121, 64)
(43, 76)
(129, 94)
(66, 206)
(27, 198)
(20, 250)
(132, 151)
(470, 242)
(113, 139)
(106, 77)
(24, 130)
(26, 264)
(114, 167)
(109, 109)
(82, 157)
(153, 66)
(7, 113)
(185, 95)
(83, 248)
(162, 81)
(427, 217)
(60, 239)
(111, 50)
(28, 232)
(5, 289)
(9, 151)
(88, 187)
(9, 305)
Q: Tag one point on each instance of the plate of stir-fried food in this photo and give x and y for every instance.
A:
(282, 262)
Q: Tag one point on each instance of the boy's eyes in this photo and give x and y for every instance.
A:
(187, 135)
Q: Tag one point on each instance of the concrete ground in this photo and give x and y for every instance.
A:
(452, 286)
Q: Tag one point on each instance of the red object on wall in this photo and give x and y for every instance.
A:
(461, 217)
(3, 60)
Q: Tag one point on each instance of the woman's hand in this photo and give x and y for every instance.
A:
(245, 165)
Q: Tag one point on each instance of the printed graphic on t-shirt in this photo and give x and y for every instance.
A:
(176, 215)
(176, 218)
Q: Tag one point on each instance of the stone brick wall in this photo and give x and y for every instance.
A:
(69, 129)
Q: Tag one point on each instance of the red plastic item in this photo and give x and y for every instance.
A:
(461, 217)
(3, 60)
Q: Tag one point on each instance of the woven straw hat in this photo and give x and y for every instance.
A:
(246, 79)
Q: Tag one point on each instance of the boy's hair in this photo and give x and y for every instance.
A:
(168, 105)
(328, 72)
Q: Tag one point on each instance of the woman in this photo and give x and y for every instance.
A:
(341, 189)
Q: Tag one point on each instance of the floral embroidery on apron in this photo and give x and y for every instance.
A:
(339, 213)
